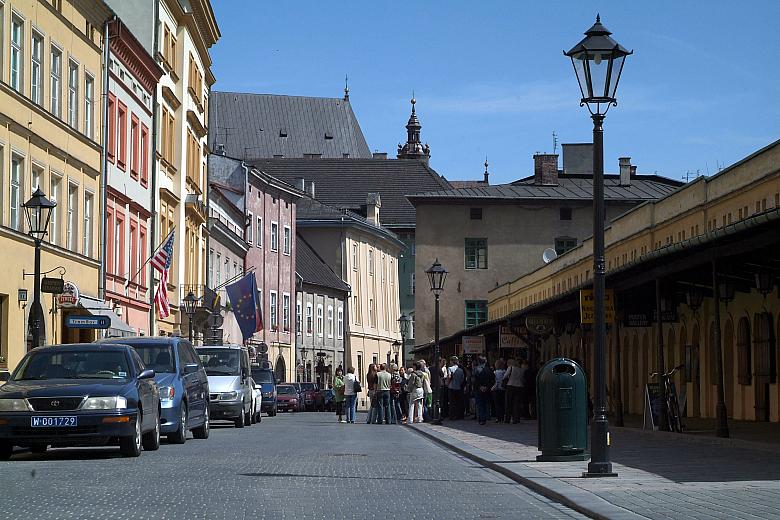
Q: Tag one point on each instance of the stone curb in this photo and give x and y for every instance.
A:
(698, 439)
(571, 496)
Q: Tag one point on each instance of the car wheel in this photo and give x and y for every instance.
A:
(239, 421)
(151, 440)
(180, 435)
(39, 448)
(202, 432)
(130, 446)
(6, 450)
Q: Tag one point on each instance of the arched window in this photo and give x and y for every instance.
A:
(764, 337)
(743, 352)
(280, 369)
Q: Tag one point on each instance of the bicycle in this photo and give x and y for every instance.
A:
(672, 404)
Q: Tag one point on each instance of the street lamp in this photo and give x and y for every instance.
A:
(403, 325)
(190, 303)
(37, 210)
(304, 350)
(396, 349)
(598, 62)
(436, 277)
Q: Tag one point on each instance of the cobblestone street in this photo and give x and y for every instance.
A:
(295, 466)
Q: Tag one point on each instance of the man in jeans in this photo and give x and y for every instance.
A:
(383, 379)
(484, 379)
(455, 389)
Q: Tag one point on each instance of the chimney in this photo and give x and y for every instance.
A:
(633, 171)
(380, 155)
(300, 183)
(546, 169)
(373, 203)
(220, 149)
(625, 171)
(310, 190)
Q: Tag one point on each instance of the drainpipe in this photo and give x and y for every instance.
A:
(104, 162)
(153, 190)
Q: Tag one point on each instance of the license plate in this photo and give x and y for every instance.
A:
(54, 422)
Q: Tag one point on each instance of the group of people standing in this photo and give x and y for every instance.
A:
(505, 391)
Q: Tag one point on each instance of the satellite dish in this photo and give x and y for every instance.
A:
(549, 255)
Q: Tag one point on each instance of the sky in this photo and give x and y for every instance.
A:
(700, 92)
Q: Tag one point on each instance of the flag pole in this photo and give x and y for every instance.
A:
(127, 282)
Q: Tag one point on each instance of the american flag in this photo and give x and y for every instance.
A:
(161, 261)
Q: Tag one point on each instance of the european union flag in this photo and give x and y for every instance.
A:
(243, 298)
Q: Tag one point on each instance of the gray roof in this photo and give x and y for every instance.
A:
(312, 268)
(642, 187)
(250, 126)
(345, 183)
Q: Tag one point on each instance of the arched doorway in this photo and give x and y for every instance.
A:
(728, 366)
(764, 337)
(280, 369)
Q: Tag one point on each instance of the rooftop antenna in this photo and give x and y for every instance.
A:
(555, 142)
(346, 87)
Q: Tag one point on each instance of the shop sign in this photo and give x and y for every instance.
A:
(473, 344)
(508, 339)
(88, 322)
(52, 285)
(588, 306)
(539, 324)
(70, 295)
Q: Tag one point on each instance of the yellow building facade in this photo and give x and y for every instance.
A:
(50, 138)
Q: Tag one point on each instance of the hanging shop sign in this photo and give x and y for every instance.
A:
(70, 296)
(588, 306)
(539, 324)
(473, 344)
(52, 285)
(508, 339)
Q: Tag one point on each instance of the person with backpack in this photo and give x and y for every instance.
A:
(484, 379)
(414, 386)
(457, 381)
(395, 394)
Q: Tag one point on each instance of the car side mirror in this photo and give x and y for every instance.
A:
(244, 374)
(190, 368)
(146, 374)
(5, 377)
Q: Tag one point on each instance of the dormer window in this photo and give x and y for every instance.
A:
(282, 132)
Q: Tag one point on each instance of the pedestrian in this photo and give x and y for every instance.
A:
(444, 380)
(350, 394)
(382, 394)
(427, 390)
(403, 399)
(483, 380)
(414, 386)
(457, 380)
(395, 394)
(498, 391)
(513, 382)
(371, 389)
(525, 392)
(338, 393)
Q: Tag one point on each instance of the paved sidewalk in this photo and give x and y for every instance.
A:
(660, 475)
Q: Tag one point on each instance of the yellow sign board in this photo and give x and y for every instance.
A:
(588, 306)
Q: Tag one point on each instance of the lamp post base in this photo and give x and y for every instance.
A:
(599, 469)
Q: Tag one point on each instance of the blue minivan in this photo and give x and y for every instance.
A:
(266, 379)
(181, 378)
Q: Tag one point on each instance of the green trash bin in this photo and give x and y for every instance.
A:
(562, 408)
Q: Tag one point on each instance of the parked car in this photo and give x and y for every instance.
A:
(329, 405)
(182, 381)
(286, 398)
(257, 401)
(300, 395)
(230, 394)
(80, 395)
(267, 381)
(313, 400)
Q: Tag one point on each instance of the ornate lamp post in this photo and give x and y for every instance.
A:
(190, 304)
(396, 350)
(37, 211)
(436, 276)
(598, 62)
(403, 326)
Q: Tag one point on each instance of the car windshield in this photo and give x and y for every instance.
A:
(285, 390)
(308, 387)
(262, 376)
(220, 361)
(156, 356)
(93, 364)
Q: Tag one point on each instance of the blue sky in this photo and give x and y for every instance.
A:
(702, 89)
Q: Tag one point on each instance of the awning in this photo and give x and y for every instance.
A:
(97, 307)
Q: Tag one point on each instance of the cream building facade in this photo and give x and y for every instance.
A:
(50, 137)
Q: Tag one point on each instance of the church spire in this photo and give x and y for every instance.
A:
(346, 88)
(487, 173)
(414, 149)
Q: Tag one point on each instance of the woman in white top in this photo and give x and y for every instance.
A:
(498, 391)
(350, 396)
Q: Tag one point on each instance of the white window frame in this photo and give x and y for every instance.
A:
(273, 313)
(250, 235)
(286, 312)
(355, 257)
(340, 326)
(211, 268)
(73, 93)
(54, 221)
(330, 321)
(71, 234)
(309, 319)
(370, 262)
(55, 80)
(16, 62)
(287, 240)
(259, 231)
(274, 236)
(89, 107)
(298, 318)
(89, 210)
(36, 67)
(320, 320)
(17, 189)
